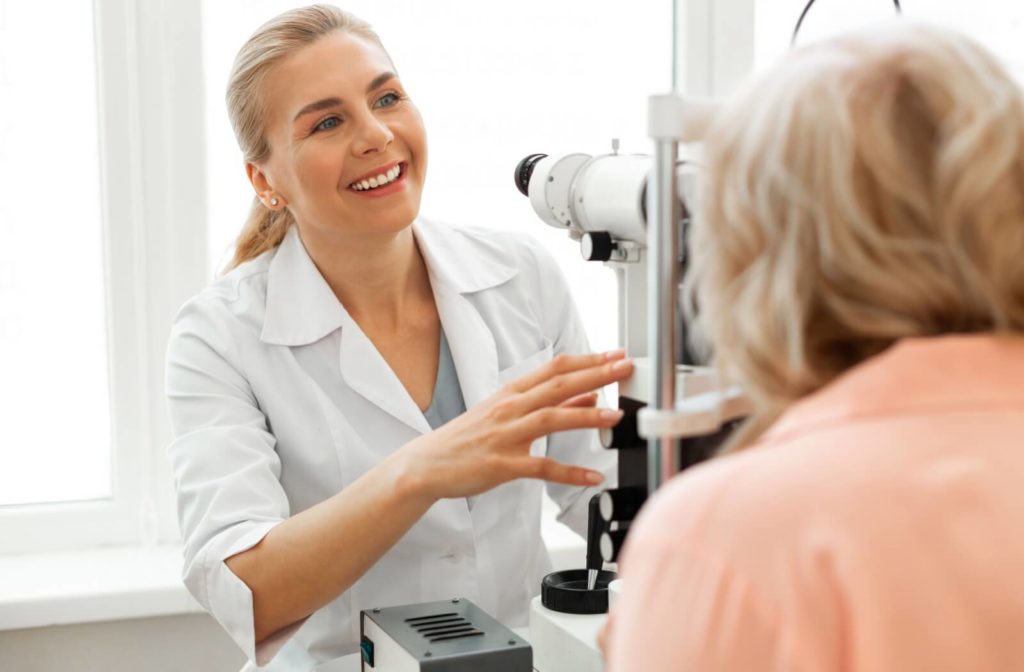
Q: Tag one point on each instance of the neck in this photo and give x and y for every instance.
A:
(377, 278)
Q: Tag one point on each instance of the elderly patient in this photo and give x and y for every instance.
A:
(859, 270)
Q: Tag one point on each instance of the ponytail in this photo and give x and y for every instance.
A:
(264, 230)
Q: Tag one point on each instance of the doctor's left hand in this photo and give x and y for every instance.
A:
(490, 443)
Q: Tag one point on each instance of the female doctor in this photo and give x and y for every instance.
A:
(324, 459)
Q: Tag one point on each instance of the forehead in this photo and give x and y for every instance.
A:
(338, 64)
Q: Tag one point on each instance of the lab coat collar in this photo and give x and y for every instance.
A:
(456, 259)
(302, 308)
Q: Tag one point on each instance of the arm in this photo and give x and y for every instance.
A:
(234, 511)
(309, 559)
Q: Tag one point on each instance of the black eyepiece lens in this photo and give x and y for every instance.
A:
(524, 170)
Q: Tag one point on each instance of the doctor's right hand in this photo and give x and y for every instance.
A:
(490, 443)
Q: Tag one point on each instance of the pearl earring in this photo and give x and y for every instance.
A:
(274, 201)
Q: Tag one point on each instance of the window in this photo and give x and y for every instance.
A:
(54, 391)
(102, 205)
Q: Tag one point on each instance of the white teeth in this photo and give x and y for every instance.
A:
(379, 180)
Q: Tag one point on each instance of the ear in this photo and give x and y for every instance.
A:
(261, 185)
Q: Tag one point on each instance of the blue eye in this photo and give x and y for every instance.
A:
(327, 124)
(388, 99)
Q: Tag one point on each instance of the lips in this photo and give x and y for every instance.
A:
(379, 177)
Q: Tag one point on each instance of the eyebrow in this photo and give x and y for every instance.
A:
(334, 101)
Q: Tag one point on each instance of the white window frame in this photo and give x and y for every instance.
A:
(714, 45)
(154, 241)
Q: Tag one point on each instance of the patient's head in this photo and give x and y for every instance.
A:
(868, 189)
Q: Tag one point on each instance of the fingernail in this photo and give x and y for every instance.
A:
(622, 365)
(594, 477)
(615, 354)
(609, 414)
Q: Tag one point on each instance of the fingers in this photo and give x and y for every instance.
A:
(563, 364)
(544, 421)
(588, 400)
(558, 388)
(546, 469)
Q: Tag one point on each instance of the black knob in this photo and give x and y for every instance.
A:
(621, 504)
(524, 171)
(611, 544)
(597, 246)
(626, 434)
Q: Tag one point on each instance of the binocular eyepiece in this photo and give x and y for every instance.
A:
(524, 171)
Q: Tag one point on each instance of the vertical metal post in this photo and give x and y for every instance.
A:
(663, 278)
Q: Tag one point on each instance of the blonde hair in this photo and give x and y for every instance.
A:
(274, 41)
(869, 189)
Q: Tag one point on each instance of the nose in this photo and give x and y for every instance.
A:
(373, 137)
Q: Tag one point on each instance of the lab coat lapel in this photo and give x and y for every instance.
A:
(471, 342)
(367, 373)
(302, 309)
(459, 267)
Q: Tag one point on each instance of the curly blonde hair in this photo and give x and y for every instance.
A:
(869, 189)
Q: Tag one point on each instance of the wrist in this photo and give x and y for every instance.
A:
(411, 477)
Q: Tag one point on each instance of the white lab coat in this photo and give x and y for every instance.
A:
(278, 401)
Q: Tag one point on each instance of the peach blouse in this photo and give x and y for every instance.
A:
(878, 525)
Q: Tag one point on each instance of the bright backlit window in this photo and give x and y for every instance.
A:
(54, 399)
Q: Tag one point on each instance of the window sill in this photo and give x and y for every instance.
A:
(41, 589)
(38, 590)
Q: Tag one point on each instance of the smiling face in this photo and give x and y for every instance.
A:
(348, 151)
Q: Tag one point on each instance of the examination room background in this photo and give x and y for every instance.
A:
(122, 189)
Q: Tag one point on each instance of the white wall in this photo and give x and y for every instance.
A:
(169, 644)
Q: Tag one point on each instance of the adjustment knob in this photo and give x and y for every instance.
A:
(625, 434)
(611, 544)
(621, 504)
(597, 246)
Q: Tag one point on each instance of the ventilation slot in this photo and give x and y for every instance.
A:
(442, 627)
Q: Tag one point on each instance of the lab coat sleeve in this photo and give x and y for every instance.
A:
(225, 468)
(581, 447)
